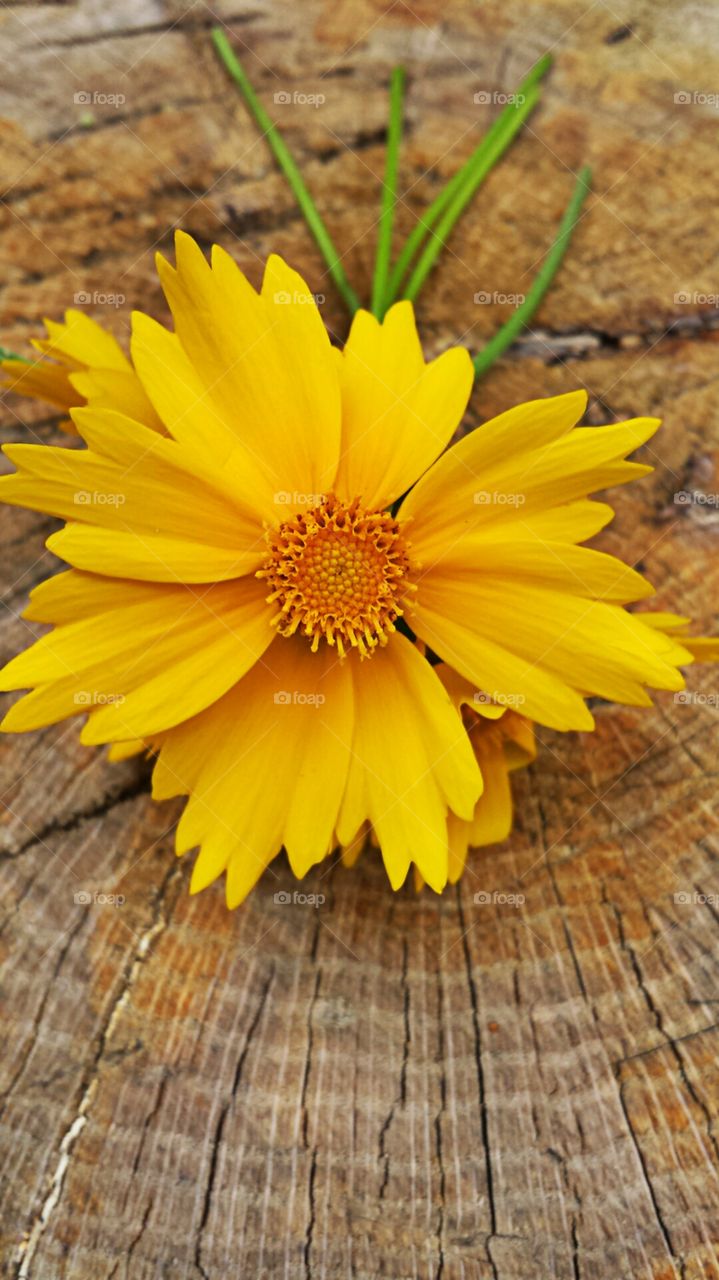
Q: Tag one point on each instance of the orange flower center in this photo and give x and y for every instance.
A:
(337, 572)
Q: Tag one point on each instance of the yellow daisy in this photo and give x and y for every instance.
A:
(84, 365)
(246, 590)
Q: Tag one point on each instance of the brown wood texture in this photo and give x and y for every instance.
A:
(389, 1085)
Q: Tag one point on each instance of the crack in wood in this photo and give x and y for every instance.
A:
(221, 1121)
(39, 1224)
(674, 1253)
(309, 1233)
(308, 1058)
(128, 791)
(37, 1020)
(439, 1230)
(400, 1099)
(133, 1243)
(481, 1084)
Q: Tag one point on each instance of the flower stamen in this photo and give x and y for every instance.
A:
(338, 572)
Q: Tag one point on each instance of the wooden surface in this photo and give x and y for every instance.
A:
(389, 1085)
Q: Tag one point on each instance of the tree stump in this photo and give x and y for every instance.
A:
(514, 1081)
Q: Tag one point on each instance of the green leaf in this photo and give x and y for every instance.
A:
(543, 279)
(10, 355)
(452, 200)
(389, 194)
(287, 164)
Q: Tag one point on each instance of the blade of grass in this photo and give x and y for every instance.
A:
(504, 127)
(483, 165)
(284, 158)
(10, 355)
(389, 193)
(421, 229)
(543, 279)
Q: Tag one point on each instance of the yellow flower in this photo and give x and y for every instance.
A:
(701, 648)
(246, 591)
(502, 740)
(86, 365)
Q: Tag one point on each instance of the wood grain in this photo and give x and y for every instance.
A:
(387, 1085)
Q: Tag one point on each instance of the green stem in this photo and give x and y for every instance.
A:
(284, 158)
(389, 193)
(524, 314)
(10, 355)
(496, 143)
(498, 138)
(421, 229)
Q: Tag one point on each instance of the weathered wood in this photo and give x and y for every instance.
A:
(388, 1085)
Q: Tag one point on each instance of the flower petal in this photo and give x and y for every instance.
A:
(411, 759)
(81, 342)
(483, 482)
(194, 415)
(398, 413)
(152, 658)
(700, 648)
(544, 646)
(132, 504)
(117, 390)
(519, 559)
(265, 358)
(288, 720)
